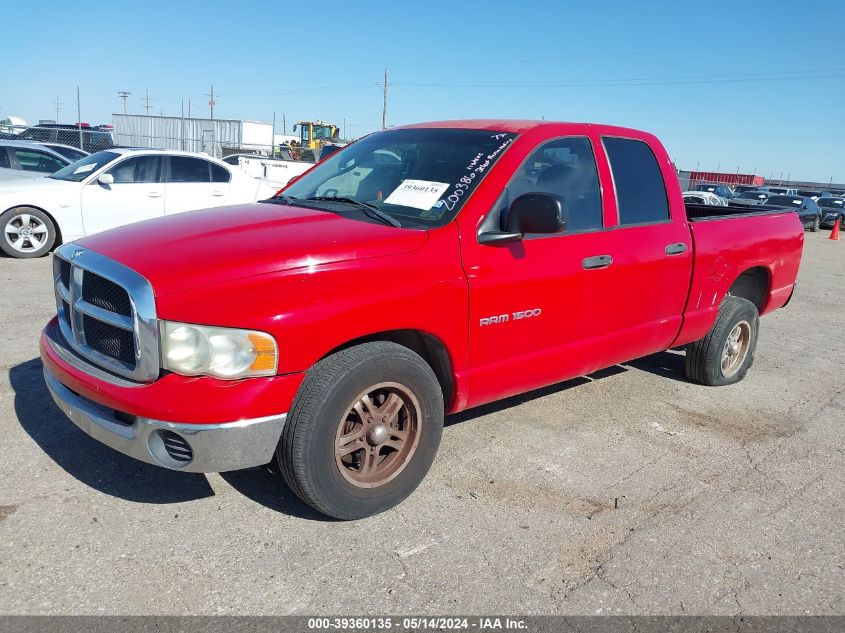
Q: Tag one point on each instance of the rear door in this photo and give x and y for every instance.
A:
(193, 183)
(136, 194)
(651, 247)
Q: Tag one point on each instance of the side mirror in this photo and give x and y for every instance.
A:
(105, 179)
(336, 133)
(295, 126)
(529, 213)
(535, 213)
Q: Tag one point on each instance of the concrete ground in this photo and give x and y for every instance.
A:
(629, 492)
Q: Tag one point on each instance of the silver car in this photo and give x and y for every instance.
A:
(24, 159)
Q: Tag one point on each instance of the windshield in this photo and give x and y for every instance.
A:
(710, 188)
(753, 195)
(82, 168)
(833, 203)
(777, 190)
(809, 194)
(416, 176)
(785, 201)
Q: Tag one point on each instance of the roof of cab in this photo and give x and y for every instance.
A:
(518, 126)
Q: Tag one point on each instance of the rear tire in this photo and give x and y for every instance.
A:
(724, 356)
(363, 430)
(27, 232)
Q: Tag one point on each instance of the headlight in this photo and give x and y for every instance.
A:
(195, 350)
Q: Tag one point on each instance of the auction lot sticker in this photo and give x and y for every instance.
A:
(420, 194)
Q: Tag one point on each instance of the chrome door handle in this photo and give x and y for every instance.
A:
(598, 261)
(217, 193)
(676, 249)
(153, 194)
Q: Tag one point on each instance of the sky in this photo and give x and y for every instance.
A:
(757, 87)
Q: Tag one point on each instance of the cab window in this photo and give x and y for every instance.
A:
(640, 191)
(565, 168)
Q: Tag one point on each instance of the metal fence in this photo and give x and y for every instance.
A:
(97, 138)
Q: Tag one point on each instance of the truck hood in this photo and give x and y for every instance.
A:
(199, 248)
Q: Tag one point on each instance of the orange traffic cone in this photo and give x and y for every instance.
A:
(834, 234)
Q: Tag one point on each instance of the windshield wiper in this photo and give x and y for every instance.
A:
(284, 199)
(370, 209)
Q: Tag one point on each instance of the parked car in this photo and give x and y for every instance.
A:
(22, 159)
(808, 211)
(88, 138)
(71, 153)
(783, 191)
(704, 197)
(743, 188)
(112, 188)
(723, 191)
(751, 198)
(331, 327)
(833, 209)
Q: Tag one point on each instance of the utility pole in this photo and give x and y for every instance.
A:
(384, 104)
(273, 138)
(211, 103)
(284, 124)
(189, 108)
(146, 101)
(58, 105)
(79, 118)
(123, 94)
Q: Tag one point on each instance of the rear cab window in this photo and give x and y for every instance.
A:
(638, 181)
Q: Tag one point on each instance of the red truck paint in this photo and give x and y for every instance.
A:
(317, 281)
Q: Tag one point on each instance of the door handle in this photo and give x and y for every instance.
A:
(217, 193)
(154, 194)
(676, 249)
(597, 261)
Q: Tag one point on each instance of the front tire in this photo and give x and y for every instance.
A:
(27, 232)
(363, 430)
(724, 356)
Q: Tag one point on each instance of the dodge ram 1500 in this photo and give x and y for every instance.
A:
(422, 270)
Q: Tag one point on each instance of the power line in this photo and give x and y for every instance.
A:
(147, 107)
(123, 94)
(58, 105)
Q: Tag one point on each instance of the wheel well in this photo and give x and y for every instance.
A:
(58, 241)
(752, 284)
(429, 347)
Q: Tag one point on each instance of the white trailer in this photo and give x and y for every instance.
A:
(215, 137)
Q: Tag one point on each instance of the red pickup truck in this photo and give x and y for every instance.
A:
(419, 271)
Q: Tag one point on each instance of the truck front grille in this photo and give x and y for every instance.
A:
(107, 313)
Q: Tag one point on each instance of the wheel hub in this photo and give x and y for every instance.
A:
(377, 434)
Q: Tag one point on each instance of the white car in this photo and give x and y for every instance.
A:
(25, 159)
(112, 188)
(704, 197)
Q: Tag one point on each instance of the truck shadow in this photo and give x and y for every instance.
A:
(668, 364)
(117, 475)
(87, 460)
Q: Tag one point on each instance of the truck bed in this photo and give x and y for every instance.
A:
(701, 212)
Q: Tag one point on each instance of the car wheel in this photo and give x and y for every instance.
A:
(363, 430)
(815, 226)
(27, 232)
(724, 356)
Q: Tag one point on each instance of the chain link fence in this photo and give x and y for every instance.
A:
(97, 138)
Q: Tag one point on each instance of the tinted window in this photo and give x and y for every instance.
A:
(70, 153)
(785, 201)
(4, 158)
(566, 168)
(82, 169)
(187, 169)
(33, 160)
(640, 192)
(219, 174)
(832, 203)
(137, 169)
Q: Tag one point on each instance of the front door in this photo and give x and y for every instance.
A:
(136, 194)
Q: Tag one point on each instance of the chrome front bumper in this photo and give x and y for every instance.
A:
(210, 447)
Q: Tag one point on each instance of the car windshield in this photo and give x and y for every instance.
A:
(82, 168)
(777, 190)
(785, 201)
(809, 194)
(417, 176)
(705, 188)
(753, 195)
(832, 203)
